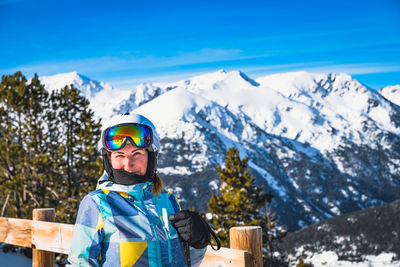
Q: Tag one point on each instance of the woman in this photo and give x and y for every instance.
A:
(129, 220)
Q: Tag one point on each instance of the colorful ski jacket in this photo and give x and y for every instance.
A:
(121, 225)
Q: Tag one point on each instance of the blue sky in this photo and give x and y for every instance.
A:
(128, 42)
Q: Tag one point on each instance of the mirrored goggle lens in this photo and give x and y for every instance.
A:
(115, 136)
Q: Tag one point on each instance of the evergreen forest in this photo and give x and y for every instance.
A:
(48, 143)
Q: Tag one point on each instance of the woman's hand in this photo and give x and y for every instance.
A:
(191, 228)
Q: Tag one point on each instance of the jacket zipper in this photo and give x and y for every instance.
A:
(166, 230)
(154, 232)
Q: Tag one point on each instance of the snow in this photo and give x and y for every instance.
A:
(353, 190)
(302, 106)
(270, 179)
(213, 185)
(334, 107)
(324, 227)
(194, 191)
(102, 96)
(335, 210)
(106, 100)
(176, 170)
(311, 113)
(330, 259)
(344, 193)
(392, 93)
(87, 86)
(309, 151)
(394, 165)
(318, 190)
(172, 107)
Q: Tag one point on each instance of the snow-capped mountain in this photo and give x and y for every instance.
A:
(391, 93)
(102, 96)
(87, 86)
(324, 144)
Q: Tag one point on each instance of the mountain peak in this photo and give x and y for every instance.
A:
(74, 75)
(87, 86)
(391, 93)
(300, 83)
(222, 71)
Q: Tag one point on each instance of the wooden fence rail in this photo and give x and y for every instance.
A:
(47, 238)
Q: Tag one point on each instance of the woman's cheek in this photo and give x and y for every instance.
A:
(117, 164)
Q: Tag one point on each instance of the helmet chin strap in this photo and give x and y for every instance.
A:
(120, 176)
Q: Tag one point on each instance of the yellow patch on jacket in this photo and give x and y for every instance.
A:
(130, 252)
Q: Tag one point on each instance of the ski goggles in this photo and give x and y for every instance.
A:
(117, 136)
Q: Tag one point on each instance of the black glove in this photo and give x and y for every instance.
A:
(191, 228)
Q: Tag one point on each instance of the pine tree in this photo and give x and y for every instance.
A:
(240, 199)
(48, 154)
(21, 104)
(272, 235)
(39, 180)
(77, 134)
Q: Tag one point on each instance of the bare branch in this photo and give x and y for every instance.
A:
(5, 205)
(52, 191)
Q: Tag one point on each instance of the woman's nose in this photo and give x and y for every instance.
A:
(129, 164)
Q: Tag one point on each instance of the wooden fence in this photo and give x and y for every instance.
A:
(46, 237)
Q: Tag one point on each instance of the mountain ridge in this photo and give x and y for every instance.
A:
(350, 236)
(319, 142)
(103, 97)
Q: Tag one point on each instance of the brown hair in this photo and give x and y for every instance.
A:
(157, 185)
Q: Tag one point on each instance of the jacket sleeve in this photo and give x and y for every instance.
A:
(197, 255)
(85, 247)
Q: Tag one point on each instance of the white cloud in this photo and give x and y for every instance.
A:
(127, 63)
(125, 72)
(126, 84)
(254, 72)
(364, 68)
(325, 67)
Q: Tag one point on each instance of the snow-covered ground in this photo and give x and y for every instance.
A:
(14, 259)
(327, 258)
(330, 259)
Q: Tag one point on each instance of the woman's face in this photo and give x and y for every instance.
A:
(130, 159)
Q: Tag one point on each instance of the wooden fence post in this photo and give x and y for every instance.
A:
(248, 238)
(41, 258)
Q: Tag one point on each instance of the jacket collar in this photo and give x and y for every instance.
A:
(141, 191)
